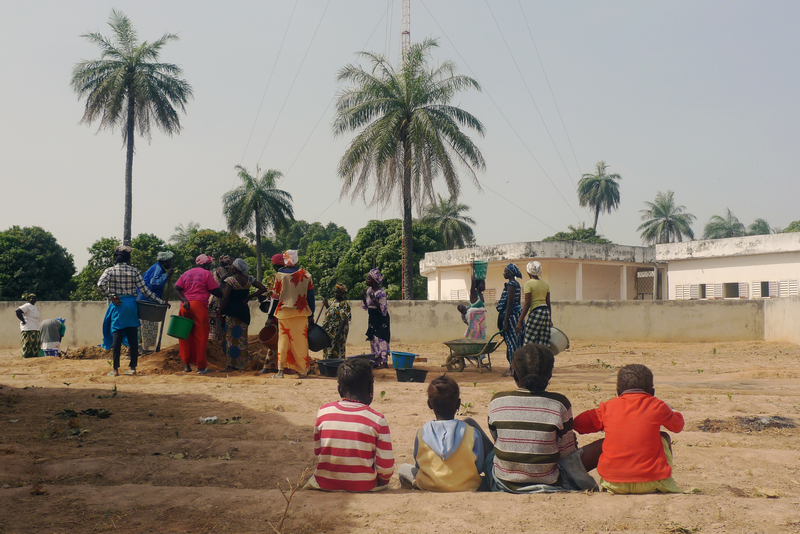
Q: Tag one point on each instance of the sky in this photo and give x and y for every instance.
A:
(697, 97)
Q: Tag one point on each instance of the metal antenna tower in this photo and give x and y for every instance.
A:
(405, 29)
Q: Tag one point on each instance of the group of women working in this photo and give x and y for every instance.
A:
(38, 338)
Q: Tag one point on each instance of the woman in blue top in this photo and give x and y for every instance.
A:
(155, 278)
(509, 309)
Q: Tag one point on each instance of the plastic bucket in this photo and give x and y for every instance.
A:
(269, 336)
(480, 268)
(317, 338)
(559, 342)
(179, 327)
(402, 360)
(150, 311)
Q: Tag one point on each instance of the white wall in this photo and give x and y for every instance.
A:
(782, 319)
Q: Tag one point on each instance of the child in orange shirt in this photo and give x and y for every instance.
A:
(637, 456)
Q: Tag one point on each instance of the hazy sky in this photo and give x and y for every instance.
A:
(700, 97)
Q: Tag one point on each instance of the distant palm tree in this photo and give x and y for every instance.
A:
(408, 133)
(129, 88)
(184, 233)
(599, 191)
(759, 227)
(447, 217)
(722, 227)
(257, 205)
(664, 222)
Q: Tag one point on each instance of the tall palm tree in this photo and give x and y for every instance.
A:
(664, 222)
(599, 191)
(447, 217)
(184, 233)
(722, 227)
(257, 205)
(759, 227)
(408, 133)
(128, 88)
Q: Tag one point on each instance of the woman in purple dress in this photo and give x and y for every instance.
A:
(378, 332)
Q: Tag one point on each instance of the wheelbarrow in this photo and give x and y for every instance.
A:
(476, 351)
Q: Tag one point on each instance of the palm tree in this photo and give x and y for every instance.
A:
(599, 191)
(759, 227)
(184, 233)
(446, 216)
(128, 88)
(257, 205)
(664, 222)
(722, 227)
(408, 135)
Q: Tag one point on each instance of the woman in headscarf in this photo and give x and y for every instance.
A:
(294, 292)
(474, 316)
(217, 327)
(155, 278)
(193, 288)
(120, 284)
(378, 326)
(509, 310)
(53, 331)
(29, 325)
(537, 300)
(337, 322)
(235, 310)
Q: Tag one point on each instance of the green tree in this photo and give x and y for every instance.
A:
(759, 227)
(378, 245)
(257, 205)
(599, 191)
(322, 258)
(408, 133)
(183, 233)
(585, 235)
(31, 260)
(214, 244)
(721, 227)
(448, 216)
(299, 235)
(128, 88)
(664, 222)
(794, 226)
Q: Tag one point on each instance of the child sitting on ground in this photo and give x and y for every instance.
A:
(351, 440)
(535, 448)
(448, 453)
(637, 456)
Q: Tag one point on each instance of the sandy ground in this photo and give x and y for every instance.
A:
(150, 466)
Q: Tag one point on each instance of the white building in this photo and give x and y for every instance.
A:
(750, 267)
(574, 270)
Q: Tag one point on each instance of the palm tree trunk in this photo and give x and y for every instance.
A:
(126, 230)
(408, 239)
(258, 247)
(596, 215)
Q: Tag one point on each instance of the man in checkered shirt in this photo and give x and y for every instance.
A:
(119, 284)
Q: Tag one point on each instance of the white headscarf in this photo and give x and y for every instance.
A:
(241, 265)
(534, 268)
(290, 258)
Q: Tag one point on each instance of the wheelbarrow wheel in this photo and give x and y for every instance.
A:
(455, 364)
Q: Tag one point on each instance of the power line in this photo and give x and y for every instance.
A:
(524, 144)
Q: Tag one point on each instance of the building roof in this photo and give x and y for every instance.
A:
(572, 250)
(732, 246)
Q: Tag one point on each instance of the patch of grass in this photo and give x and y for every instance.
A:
(603, 365)
(594, 388)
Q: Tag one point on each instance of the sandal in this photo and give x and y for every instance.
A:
(130, 372)
(114, 373)
(203, 371)
(279, 374)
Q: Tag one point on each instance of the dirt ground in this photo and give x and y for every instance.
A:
(132, 456)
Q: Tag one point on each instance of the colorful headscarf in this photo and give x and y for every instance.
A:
(514, 270)
(61, 320)
(341, 287)
(277, 259)
(203, 259)
(241, 265)
(225, 259)
(28, 296)
(376, 275)
(290, 258)
(164, 255)
(534, 268)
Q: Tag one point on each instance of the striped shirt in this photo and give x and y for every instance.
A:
(533, 431)
(354, 447)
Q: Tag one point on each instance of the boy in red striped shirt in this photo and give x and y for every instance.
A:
(351, 440)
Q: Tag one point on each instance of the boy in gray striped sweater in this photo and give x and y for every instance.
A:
(535, 448)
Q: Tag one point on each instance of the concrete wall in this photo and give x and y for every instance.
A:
(782, 319)
(432, 321)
